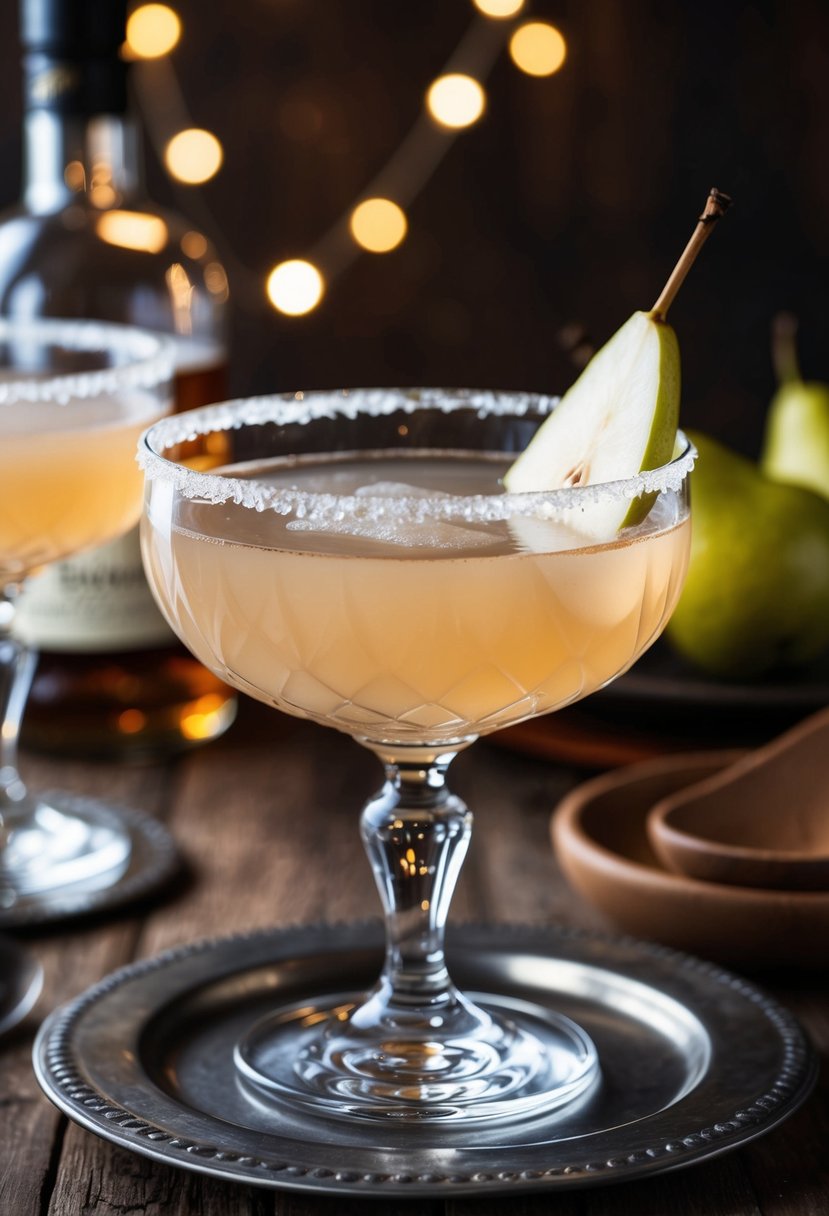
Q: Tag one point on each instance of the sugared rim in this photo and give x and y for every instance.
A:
(151, 360)
(300, 408)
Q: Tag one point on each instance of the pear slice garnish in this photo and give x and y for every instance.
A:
(620, 417)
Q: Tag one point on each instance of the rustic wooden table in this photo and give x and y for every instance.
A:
(249, 812)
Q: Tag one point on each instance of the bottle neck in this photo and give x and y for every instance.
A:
(72, 157)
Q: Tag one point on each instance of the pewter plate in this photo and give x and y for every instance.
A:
(695, 1061)
(153, 861)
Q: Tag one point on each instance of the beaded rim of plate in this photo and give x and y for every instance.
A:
(63, 1075)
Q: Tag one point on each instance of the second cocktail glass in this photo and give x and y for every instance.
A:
(352, 558)
(74, 397)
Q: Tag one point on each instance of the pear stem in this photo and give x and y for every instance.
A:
(716, 206)
(784, 348)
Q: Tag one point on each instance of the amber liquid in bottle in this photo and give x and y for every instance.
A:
(112, 679)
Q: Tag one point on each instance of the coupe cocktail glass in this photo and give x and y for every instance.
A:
(352, 558)
(74, 397)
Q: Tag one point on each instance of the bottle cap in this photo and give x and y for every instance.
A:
(81, 29)
(72, 60)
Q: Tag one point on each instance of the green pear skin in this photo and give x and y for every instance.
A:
(756, 599)
(619, 417)
(662, 437)
(796, 442)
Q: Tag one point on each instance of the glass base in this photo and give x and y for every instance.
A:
(508, 1059)
(60, 842)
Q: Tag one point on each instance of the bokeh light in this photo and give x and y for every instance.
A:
(378, 224)
(193, 156)
(456, 100)
(295, 287)
(75, 175)
(132, 230)
(102, 193)
(499, 8)
(131, 721)
(152, 31)
(205, 718)
(538, 48)
(194, 245)
(215, 280)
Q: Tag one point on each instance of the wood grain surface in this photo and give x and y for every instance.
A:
(267, 819)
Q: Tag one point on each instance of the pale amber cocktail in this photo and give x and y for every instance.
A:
(353, 558)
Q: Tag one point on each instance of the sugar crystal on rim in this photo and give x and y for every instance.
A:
(368, 505)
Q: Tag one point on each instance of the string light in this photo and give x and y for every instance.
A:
(456, 100)
(499, 8)
(152, 31)
(295, 287)
(378, 225)
(193, 156)
(538, 48)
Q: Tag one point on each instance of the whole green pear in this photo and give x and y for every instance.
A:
(756, 599)
(796, 442)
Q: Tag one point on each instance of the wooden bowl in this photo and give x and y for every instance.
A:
(760, 822)
(599, 836)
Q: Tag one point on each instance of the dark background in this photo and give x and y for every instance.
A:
(569, 202)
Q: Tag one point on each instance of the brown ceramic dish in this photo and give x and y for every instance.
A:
(600, 839)
(761, 822)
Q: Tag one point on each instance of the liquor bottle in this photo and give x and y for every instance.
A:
(84, 242)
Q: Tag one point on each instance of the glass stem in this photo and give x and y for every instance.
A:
(17, 668)
(416, 835)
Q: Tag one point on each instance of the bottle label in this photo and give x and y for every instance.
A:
(96, 602)
(100, 601)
